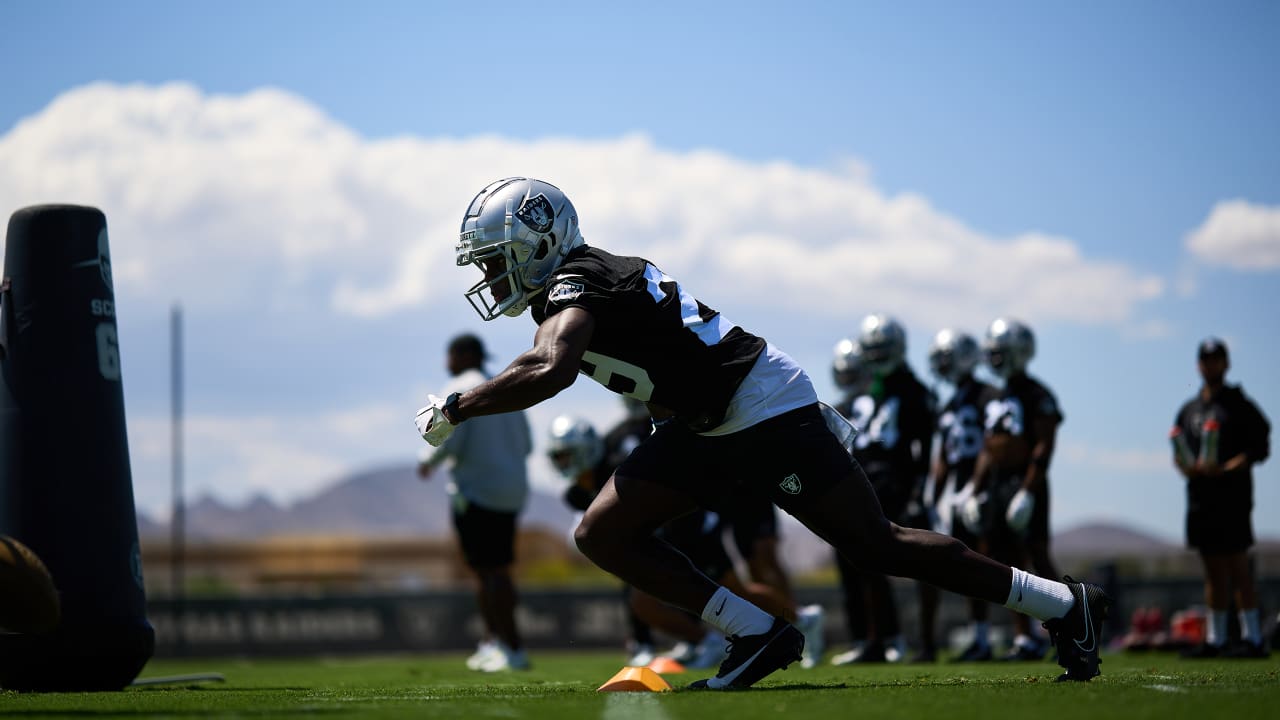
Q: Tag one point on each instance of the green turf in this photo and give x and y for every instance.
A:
(562, 686)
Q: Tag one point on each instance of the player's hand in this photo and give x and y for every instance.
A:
(1018, 514)
(971, 510)
(434, 427)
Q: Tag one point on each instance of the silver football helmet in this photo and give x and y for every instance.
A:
(953, 354)
(883, 343)
(574, 447)
(517, 231)
(846, 366)
(1008, 347)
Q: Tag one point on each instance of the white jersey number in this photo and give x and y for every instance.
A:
(875, 425)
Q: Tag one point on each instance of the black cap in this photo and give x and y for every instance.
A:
(468, 343)
(1212, 347)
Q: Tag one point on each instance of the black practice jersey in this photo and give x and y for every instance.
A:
(895, 426)
(1242, 428)
(653, 340)
(960, 427)
(1013, 409)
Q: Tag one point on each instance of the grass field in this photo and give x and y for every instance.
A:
(562, 686)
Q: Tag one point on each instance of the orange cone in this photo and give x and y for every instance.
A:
(635, 679)
(666, 666)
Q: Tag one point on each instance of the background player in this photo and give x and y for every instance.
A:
(1012, 472)
(953, 357)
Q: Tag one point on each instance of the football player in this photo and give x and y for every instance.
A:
(894, 414)
(741, 416)
(953, 357)
(1012, 471)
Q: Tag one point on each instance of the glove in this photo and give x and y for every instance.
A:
(1018, 515)
(432, 424)
(971, 510)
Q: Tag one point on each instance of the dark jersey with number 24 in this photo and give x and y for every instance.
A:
(653, 340)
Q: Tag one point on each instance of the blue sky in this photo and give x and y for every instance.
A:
(293, 173)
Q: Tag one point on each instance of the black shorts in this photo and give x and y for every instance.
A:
(699, 536)
(487, 537)
(752, 518)
(791, 460)
(1220, 528)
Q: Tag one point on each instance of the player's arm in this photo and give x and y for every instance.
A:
(1046, 432)
(540, 372)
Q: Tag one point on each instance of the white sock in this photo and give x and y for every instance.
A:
(732, 615)
(1040, 598)
(1250, 626)
(1216, 632)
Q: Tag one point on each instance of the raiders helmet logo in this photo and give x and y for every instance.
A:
(564, 291)
(790, 484)
(537, 213)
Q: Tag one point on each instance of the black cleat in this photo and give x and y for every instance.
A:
(751, 657)
(1203, 651)
(1247, 651)
(1078, 634)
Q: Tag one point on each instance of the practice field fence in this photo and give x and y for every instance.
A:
(580, 619)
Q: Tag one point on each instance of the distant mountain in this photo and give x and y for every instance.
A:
(1109, 539)
(382, 502)
(393, 502)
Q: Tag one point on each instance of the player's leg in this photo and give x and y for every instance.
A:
(755, 534)
(855, 612)
(1038, 535)
(929, 599)
(617, 534)
(487, 538)
(843, 510)
(1217, 596)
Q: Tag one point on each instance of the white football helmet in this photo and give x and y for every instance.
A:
(883, 343)
(846, 365)
(953, 354)
(517, 231)
(1008, 346)
(574, 447)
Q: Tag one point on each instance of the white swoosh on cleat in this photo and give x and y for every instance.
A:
(1088, 624)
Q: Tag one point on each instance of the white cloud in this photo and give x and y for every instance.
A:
(1240, 235)
(260, 200)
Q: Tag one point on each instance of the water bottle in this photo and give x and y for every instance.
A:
(1209, 443)
(1181, 450)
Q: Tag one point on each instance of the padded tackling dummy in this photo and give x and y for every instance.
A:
(65, 485)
